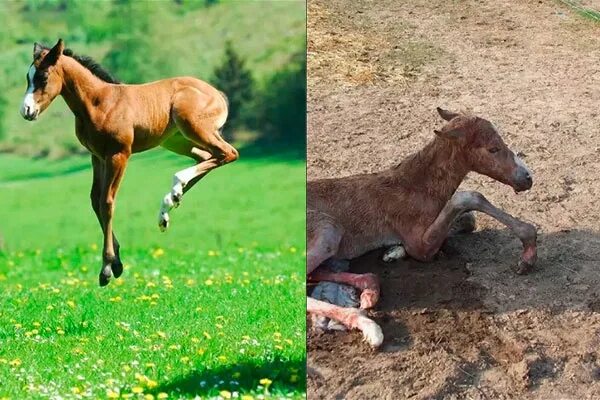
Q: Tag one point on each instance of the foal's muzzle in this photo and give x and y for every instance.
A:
(522, 180)
(29, 113)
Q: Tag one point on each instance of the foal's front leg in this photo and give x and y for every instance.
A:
(474, 201)
(114, 167)
(95, 194)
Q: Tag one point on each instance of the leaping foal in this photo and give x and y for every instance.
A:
(114, 120)
(412, 207)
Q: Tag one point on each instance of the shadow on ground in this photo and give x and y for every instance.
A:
(287, 377)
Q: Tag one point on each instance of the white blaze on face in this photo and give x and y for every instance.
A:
(28, 107)
(521, 164)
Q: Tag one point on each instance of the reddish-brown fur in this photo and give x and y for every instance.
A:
(414, 203)
(113, 121)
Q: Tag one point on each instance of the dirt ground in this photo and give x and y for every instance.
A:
(465, 326)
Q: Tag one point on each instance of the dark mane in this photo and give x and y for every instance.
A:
(92, 66)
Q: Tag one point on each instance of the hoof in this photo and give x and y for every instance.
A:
(372, 333)
(163, 221)
(117, 268)
(394, 253)
(105, 275)
(523, 267)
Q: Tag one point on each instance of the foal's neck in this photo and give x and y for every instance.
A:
(80, 87)
(436, 171)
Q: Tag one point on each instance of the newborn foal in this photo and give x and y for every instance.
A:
(412, 207)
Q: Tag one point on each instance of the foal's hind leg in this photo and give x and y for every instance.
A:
(207, 144)
(323, 242)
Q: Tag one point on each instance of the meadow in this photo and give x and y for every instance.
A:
(212, 308)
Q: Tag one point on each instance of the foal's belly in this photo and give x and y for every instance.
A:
(352, 247)
(145, 139)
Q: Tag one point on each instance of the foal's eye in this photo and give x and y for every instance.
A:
(494, 150)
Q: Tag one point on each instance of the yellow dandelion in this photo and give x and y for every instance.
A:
(185, 359)
(208, 282)
(116, 299)
(15, 363)
(94, 246)
(151, 384)
(265, 382)
(278, 347)
(60, 331)
(201, 351)
(195, 340)
(75, 390)
(158, 253)
(148, 397)
(162, 395)
(150, 284)
(71, 303)
(111, 394)
(293, 249)
(137, 389)
(226, 394)
(36, 324)
(222, 359)
(206, 335)
(247, 397)
(212, 253)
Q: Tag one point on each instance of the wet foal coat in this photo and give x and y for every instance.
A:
(412, 207)
(114, 120)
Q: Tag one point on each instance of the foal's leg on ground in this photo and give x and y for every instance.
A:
(475, 201)
(114, 167)
(463, 223)
(95, 193)
(323, 241)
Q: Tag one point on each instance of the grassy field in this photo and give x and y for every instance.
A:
(214, 307)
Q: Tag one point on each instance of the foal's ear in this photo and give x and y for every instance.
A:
(445, 114)
(37, 50)
(454, 129)
(52, 57)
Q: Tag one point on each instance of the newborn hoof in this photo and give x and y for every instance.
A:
(523, 267)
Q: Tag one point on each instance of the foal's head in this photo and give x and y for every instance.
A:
(483, 149)
(44, 81)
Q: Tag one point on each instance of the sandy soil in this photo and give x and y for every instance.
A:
(465, 326)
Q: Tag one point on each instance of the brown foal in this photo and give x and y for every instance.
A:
(114, 120)
(412, 207)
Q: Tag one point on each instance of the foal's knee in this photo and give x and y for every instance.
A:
(467, 200)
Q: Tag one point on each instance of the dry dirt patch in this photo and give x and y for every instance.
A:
(465, 326)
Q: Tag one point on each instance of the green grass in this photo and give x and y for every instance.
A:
(211, 307)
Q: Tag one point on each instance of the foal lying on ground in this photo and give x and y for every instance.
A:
(113, 120)
(412, 207)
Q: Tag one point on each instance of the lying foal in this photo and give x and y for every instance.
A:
(412, 207)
